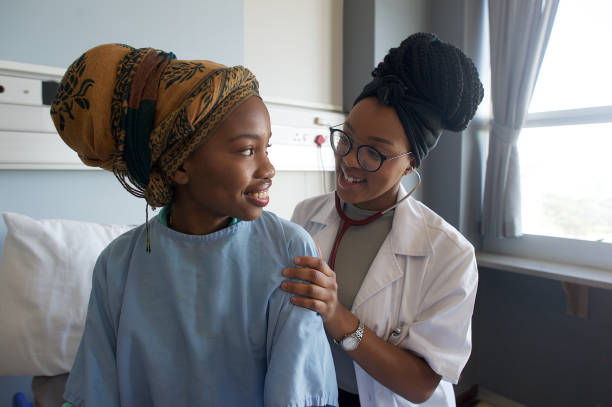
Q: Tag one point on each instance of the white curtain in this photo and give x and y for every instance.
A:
(519, 31)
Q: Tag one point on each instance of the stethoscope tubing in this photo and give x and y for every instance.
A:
(348, 222)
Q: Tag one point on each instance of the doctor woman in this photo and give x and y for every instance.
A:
(395, 284)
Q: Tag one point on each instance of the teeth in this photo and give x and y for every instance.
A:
(260, 195)
(352, 180)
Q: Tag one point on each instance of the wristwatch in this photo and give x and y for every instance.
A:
(351, 341)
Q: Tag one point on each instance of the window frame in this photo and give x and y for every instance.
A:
(556, 249)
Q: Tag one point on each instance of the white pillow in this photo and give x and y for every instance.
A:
(45, 280)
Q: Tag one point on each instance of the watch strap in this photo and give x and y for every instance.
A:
(357, 334)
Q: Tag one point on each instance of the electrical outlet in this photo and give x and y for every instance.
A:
(300, 138)
(304, 137)
(21, 91)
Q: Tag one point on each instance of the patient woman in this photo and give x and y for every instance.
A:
(186, 309)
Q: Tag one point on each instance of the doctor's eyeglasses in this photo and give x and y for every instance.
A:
(369, 158)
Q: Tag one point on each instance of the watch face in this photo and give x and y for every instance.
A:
(350, 343)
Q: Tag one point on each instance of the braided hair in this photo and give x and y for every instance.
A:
(440, 73)
(432, 85)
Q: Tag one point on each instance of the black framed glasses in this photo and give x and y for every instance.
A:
(369, 158)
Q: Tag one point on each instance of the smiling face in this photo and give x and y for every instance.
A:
(372, 123)
(228, 176)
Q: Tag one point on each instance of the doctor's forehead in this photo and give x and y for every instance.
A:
(371, 137)
(370, 116)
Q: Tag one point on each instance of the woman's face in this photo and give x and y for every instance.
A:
(372, 123)
(229, 174)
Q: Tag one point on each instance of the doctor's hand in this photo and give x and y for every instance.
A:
(321, 295)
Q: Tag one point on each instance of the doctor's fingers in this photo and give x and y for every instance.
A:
(315, 263)
(308, 290)
(311, 275)
(323, 308)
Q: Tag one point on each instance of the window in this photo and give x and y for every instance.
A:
(565, 147)
(566, 144)
(567, 191)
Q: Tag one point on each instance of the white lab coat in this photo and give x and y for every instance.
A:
(422, 281)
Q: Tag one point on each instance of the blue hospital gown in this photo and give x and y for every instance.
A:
(201, 321)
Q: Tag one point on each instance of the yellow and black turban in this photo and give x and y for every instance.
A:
(141, 112)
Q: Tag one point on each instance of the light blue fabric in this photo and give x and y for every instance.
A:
(201, 321)
(163, 217)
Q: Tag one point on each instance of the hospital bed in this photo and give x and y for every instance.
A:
(45, 280)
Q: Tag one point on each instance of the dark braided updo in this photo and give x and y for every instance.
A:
(438, 72)
(432, 85)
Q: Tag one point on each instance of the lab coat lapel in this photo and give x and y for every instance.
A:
(405, 239)
(384, 270)
(329, 221)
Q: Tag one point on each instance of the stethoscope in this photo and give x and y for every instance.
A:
(348, 222)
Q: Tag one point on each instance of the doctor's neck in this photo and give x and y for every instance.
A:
(379, 203)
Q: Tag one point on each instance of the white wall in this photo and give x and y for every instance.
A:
(294, 47)
(56, 32)
(395, 20)
(291, 187)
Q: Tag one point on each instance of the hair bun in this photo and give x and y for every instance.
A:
(439, 73)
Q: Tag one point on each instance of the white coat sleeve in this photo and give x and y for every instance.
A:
(441, 330)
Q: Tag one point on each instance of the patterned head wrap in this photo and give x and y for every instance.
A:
(141, 112)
